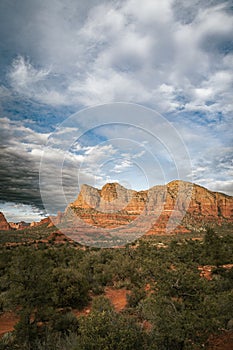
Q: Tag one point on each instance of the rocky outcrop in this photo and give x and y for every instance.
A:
(114, 215)
(41, 222)
(177, 205)
(19, 225)
(55, 220)
(49, 221)
(111, 198)
(4, 225)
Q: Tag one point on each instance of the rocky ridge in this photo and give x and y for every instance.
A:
(177, 207)
(4, 225)
(115, 205)
(19, 225)
(114, 212)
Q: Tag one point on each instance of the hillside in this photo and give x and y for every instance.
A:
(168, 290)
(175, 295)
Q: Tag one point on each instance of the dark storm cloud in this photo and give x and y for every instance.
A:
(19, 182)
(18, 172)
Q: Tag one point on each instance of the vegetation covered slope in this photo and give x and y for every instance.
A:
(170, 305)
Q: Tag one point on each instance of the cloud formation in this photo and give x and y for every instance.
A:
(126, 51)
(20, 157)
(59, 56)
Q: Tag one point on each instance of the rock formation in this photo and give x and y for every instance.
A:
(117, 214)
(4, 225)
(41, 222)
(19, 225)
(175, 207)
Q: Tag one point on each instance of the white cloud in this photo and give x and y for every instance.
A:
(129, 51)
(218, 185)
(16, 212)
(149, 12)
(30, 82)
(23, 75)
(214, 20)
(122, 166)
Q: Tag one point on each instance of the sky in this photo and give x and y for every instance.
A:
(137, 92)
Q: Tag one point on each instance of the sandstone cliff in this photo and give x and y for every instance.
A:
(177, 205)
(19, 225)
(4, 225)
(41, 222)
(116, 213)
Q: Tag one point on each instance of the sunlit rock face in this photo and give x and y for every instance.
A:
(178, 201)
(4, 225)
(19, 225)
(114, 215)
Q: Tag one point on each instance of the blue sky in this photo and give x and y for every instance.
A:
(61, 57)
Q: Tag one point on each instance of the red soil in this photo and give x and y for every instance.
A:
(206, 270)
(7, 322)
(118, 297)
(82, 312)
(222, 342)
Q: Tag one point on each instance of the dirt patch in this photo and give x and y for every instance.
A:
(118, 297)
(221, 342)
(83, 312)
(206, 270)
(227, 266)
(7, 322)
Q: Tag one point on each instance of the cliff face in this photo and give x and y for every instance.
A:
(4, 225)
(41, 222)
(202, 204)
(19, 225)
(111, 198)
(178, 202)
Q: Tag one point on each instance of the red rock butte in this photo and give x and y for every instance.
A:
(4, 225)
(103, 207)
(177, 207)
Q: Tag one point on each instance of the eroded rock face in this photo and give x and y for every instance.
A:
(177, 207)
(87, 198)
(111, 198)
(4, 225)
(55, 220)
(211, 204)
(19, 225)
(177, 204)
(41, 222)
